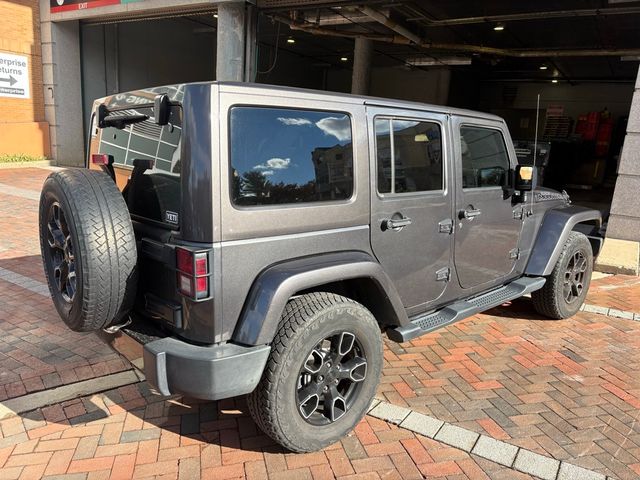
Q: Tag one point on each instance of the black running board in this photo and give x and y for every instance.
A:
(465, 308)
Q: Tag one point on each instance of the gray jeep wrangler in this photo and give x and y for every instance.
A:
(238, 239)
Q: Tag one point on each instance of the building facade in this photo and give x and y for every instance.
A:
(23, 125)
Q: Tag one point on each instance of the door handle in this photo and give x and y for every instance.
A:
(397, 225)
(469, 214)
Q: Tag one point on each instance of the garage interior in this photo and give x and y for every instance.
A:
(582, 62)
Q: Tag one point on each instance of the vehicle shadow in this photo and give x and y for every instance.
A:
(175, 421)
(521, 308)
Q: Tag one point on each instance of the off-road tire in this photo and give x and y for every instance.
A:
(306, 320)
(549, 300)
(104, 246)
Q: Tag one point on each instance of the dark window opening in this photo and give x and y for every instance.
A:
(485, 161)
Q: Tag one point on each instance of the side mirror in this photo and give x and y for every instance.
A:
(526, 178)
(161, 109)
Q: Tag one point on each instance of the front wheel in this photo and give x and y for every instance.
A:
(566, 288)
(322, 372)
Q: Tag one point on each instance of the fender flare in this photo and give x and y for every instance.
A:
(553, 233)
(275, 285)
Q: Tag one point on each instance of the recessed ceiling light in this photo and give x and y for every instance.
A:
(291, 40)
(499, 27)
(554, 81)
(215, 15)
(543, 67)
(343, 59)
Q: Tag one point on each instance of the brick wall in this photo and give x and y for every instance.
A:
(22, 124)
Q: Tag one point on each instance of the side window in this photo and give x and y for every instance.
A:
(485, 161)
(409, 156)
(284, 156)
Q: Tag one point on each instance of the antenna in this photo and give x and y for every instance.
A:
(535, 142)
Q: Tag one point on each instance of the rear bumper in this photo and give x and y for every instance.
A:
(214, 372)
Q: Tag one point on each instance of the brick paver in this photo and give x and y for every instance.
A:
(568, 389)
(133, 434)
(621, 292)
(37, 351)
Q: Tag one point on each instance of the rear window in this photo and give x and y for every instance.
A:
(152, 193)
(286, 156)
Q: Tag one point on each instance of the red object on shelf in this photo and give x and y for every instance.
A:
(603, 138)
(591, 127)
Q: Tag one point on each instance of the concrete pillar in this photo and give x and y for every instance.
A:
(62, 88)
(362, 55)
(251, 41)
(230, 65)
(621, 250)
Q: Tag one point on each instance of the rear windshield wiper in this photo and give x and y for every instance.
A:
(106, 119)
(121, 121)
(161, 110)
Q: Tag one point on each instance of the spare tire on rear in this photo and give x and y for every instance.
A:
(88, 248)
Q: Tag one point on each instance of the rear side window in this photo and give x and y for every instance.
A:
(485, 162)
(285, 156)
(409, 156)
(154, 193)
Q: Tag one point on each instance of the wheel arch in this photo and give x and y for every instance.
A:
(554, 231)
(352, 273)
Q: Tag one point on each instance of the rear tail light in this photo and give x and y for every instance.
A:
(100, 159)
(192, 273)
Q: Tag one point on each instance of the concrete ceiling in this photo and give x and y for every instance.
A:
(609, 32)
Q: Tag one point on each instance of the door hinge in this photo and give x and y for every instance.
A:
(445, 226)
(514, 254)
(443, 274)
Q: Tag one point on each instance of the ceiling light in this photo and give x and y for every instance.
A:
(215, 15)
(291, 40)
(543, 67)
(554, 81)
(343, 59)
(499, 27)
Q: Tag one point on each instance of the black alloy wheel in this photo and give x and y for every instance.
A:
(62, 253)
(574, 277)
(331, 378)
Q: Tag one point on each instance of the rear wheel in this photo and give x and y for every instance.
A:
(322, 372)
(88, 248)
(566, 288)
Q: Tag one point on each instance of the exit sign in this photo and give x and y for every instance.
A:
(70, 5)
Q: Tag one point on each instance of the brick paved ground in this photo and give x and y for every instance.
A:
(127, 433)
(621, 292)
(37, 350)
(569, 389)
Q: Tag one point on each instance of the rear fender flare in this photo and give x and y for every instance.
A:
(554, 231)
(275, 285)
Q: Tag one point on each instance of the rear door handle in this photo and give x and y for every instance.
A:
(397, 225)
(469, 214)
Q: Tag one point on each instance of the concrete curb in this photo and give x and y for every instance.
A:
(33, 401)
(35, 164)
(481, 445)
(610, 312)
